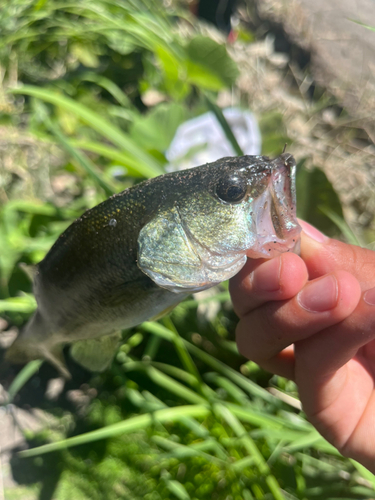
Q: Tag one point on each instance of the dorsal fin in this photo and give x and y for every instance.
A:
(28, 269)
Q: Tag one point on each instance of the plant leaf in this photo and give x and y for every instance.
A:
(314, 190)
(95, 121)
(126, 426)
(214, 57)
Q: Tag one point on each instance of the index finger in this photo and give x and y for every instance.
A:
(324, 255)
(261, 281)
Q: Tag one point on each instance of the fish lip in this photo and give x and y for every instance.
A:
(286, 162)
(276, 222)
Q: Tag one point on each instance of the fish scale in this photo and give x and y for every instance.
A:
(144, 250)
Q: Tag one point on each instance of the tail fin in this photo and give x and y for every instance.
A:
(30, 345)
(26, 347)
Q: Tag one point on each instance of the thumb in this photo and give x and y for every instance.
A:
(323, 255)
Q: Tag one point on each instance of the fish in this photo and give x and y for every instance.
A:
(142, 251)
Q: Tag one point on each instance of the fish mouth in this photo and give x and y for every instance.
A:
(276, 222)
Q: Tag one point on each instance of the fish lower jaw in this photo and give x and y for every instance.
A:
(272, 248)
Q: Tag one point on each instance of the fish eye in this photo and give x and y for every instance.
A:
(232, 188)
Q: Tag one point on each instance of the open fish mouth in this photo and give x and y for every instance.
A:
(276, 224)
(197, 244)
(273, 220)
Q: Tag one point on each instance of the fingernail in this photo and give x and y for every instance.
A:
(319, 296)
(266, 278)
(312, 232)
(369, 297)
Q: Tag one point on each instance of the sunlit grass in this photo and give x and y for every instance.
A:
(179, 414)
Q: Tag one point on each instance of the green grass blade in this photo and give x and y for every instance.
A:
(82, 159)
(365, 473)
(232, 390)
(265, 420)
(282, 434)
(165, 381)
(176, 372)
(39, 208)
(151, 348)
(224, 124)
(24, 375)
(189, 422)
(131, 424)
(24, 304)
(341, 224)
(95, 121)
(246, 494)
(308, 440)
(372, 28)
(182, 350)
(256, 418)
(133, 166)
(244, 463)
(137, 399)
(109, 86)
(177, 489)
(182, 451)
(246, 384)
(253, 451)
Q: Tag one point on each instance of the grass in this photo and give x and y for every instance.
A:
(179, 414)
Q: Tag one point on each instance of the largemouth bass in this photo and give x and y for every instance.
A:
(142, 251)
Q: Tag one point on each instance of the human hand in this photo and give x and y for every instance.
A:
(312, 319)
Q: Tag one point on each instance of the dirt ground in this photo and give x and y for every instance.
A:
(315, 47)
(342, 50)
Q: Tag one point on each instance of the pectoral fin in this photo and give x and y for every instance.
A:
(95, 354)
(123, 292)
